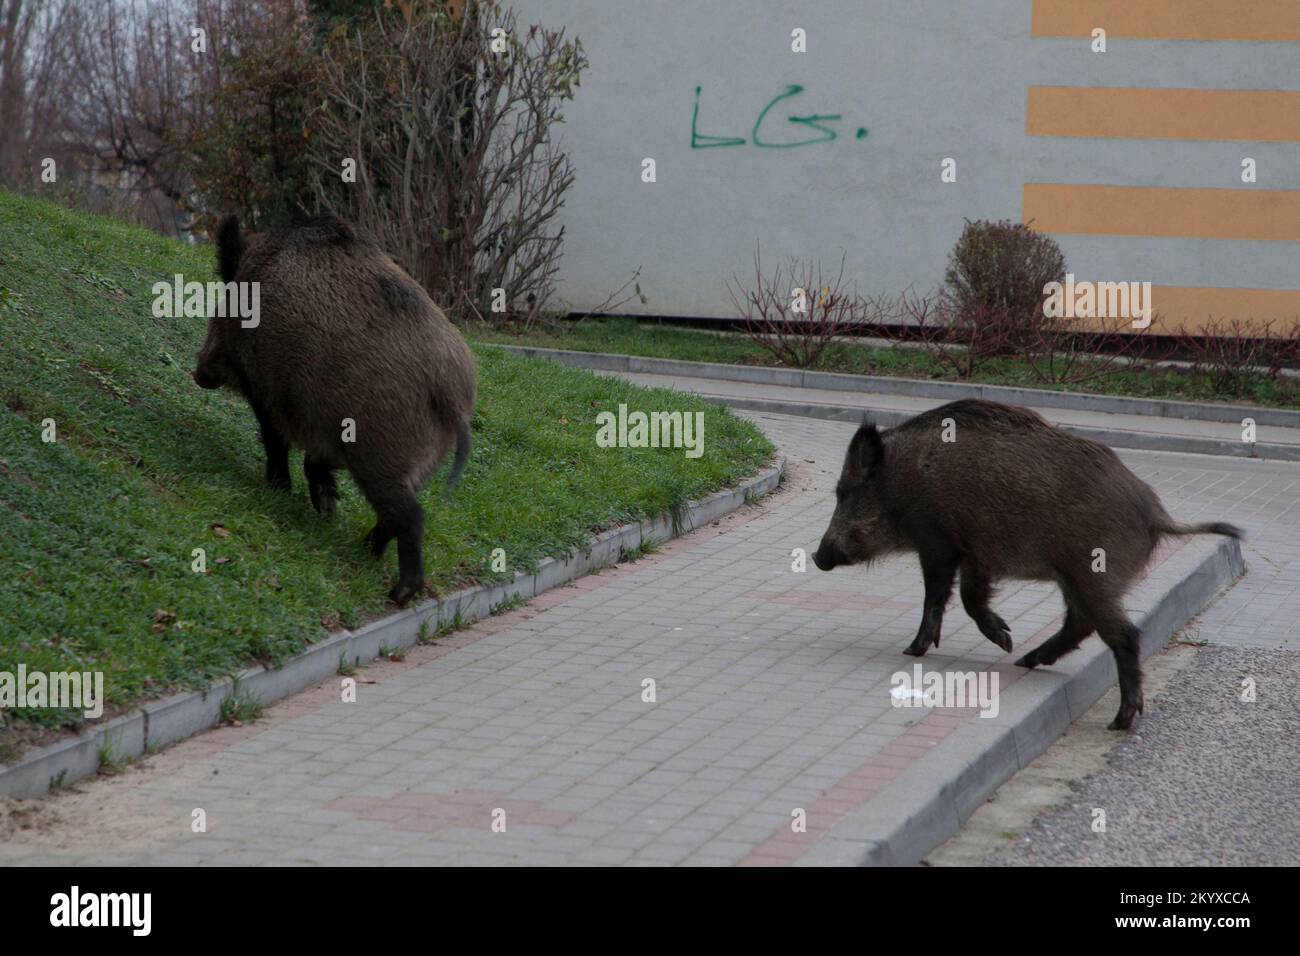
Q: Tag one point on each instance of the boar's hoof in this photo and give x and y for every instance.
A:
(1124, 719)
(323, 500)
(1028, 660)
(917, 648)
(1002, 635)
(402, 593)
(376, 540)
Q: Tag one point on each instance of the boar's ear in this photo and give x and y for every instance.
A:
(230, 248)
(866, 451)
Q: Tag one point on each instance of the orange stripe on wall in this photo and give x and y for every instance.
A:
(1074, 209)
(1169, 19)
(1176, 305)
(1195, 310)
(1134, 113)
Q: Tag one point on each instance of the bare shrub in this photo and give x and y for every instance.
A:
(959, 340)
(138, 91)
(797, 309)
(1231, 352)
(1062, 355)
(35, 52)
(451, 121)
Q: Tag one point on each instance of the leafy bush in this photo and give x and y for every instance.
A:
(996, 274)
(248, 155)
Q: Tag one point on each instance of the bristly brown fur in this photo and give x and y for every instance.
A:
(1012, 496)
(345, 334)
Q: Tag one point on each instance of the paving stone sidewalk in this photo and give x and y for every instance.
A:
(771, 691)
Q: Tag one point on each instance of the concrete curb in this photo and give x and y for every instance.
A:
(931, 800)
(917, 388)
(163, 722)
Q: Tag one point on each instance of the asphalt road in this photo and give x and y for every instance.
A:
(1207, 778)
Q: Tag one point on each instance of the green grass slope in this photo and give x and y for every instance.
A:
(98, 528)
(629, 336)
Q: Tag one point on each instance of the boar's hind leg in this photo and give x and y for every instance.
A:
(408, 522)
(975, 593)
(277, 450)
(1074, 629)
(1123, 637)
(400, 517)
(322, 486)
(1083, 611)
(938, 567)
(377, 538)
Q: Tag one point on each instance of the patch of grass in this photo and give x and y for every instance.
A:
(661, 340)
(442, 630)
(423, 636)
(241, 707)
(511, 603)
(98, 529)
(347, 668)
(646, 547)
(111, 758)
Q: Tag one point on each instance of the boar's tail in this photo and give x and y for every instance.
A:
(230, 248)
(1213, 527)
(462, 451)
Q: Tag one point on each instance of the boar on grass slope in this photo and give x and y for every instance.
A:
(346, 342)
(1012, 497)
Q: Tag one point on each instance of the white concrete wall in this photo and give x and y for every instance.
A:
(927, 79)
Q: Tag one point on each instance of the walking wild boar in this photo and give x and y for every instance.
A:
(351, 361)
(1011, 497)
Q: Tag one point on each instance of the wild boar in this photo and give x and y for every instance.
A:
(350, 360)
(1011, 497)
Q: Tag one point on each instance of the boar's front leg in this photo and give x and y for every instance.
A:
(277, 450)
(938, 567)
(975, 593)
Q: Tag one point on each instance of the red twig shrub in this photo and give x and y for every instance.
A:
(796, 310)
(1232, 351)
(1062, 355)
(959, 339)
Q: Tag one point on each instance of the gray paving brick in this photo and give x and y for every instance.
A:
(764, 703)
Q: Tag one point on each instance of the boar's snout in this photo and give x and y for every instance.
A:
(826, 556)
(204, 380)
